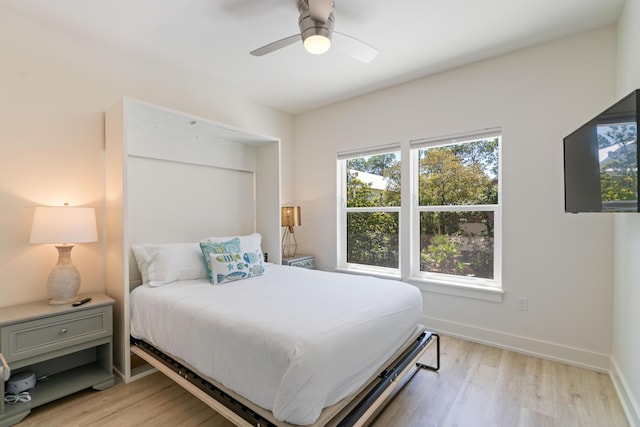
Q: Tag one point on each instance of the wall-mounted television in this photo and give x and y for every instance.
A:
(601, 161)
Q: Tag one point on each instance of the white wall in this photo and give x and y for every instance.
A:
(54, 89)
(626, 319)
(561, 262)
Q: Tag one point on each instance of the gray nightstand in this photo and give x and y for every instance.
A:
(67, 348)
(304, 261)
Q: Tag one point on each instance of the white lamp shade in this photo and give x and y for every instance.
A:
(64, 224)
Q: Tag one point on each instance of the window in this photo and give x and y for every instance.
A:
(458, 209)
(451, 210)
(370, 207)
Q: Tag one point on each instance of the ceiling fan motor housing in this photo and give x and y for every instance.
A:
(316, 24)
(310, 27)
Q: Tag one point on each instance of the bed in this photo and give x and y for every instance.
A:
(332, 369)
(291, 341)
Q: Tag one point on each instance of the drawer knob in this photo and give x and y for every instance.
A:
(63, 331)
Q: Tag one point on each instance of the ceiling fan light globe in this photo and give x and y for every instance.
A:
(317, 44)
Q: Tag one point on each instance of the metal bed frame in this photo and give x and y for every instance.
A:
(359, 411)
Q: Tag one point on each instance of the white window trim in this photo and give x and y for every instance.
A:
(483, 289)
(456, 138)
(382, 272)
(457, 288)
(341, 262)
(369, 151)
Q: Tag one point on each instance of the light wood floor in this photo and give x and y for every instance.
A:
(477, 386)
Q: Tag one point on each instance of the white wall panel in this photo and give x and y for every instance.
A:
(179, 202)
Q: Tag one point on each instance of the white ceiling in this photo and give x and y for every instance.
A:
(414, 38)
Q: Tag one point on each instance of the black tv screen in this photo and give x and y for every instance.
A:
(601, 161)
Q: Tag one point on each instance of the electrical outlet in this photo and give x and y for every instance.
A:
(266, 257)
(523, 303)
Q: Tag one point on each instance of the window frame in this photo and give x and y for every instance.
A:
(342, 263)
(416, 209)
(409, 220)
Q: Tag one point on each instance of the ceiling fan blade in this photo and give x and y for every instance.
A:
(276, 45)
(319, 10)
(354, 47)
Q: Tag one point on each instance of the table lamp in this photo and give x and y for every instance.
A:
(63, 226)
(290, 217)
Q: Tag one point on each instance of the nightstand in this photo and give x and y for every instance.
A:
(304, 261)
(67, 348)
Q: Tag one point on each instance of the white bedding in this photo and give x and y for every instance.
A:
(293, 340)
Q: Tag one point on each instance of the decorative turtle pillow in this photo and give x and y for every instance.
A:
(234, 266)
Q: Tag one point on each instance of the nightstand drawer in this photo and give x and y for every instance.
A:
(34, 337)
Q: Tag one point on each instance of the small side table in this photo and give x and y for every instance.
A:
(304, 261)
(67, 348)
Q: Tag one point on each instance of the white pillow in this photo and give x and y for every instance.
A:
(248, 243)
(160, 264)
(235, 266)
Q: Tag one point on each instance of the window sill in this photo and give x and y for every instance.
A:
(379, 274)
(484, 293)
(466, 290)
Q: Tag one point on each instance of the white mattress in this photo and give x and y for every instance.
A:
(293, 341)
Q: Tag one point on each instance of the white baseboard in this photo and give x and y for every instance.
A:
(628, 401)
(546, 350)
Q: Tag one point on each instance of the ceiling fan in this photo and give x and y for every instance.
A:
(316, 24)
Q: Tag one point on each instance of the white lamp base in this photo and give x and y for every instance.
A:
(62, 301)
(64, 279)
